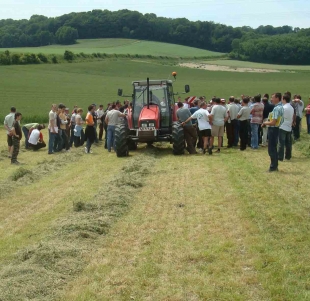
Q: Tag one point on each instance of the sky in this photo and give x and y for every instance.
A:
(295, 13)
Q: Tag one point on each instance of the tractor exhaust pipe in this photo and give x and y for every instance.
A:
(148, 92)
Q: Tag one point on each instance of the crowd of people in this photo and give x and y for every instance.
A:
(248, 122)
(65, 129)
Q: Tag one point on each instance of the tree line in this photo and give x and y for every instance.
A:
(285, 44)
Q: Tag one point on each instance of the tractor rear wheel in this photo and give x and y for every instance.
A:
(178, 138)
(121, 146)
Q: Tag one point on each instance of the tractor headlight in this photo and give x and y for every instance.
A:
(151, 124)
(144, 125)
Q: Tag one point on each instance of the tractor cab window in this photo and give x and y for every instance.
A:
(158, 96)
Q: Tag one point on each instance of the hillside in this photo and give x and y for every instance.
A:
(120, 46)
(281, 45)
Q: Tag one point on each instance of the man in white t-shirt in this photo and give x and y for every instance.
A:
(202, 116)
(52, 128)
(36, 139)
(8, 124)
(217, 117)
(285, 130)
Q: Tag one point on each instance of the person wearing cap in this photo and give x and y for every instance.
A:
(8, 124)
(190, 133)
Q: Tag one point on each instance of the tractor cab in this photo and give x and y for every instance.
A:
(152, 117)
(152, 104)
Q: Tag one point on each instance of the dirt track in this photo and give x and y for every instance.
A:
(226, 68)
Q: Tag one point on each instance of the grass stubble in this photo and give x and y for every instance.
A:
(197, 229)
(39, 271)
(204, 230)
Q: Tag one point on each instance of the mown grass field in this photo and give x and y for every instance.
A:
(121, 46)
(151, 226)
(32, 89)
(154, 226)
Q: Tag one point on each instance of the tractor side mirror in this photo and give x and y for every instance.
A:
(187, 89)
(120, 92)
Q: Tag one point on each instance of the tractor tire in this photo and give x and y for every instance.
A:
(178, 139)
(121, 146)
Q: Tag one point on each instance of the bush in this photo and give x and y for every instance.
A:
(42, 58)
(15, 59)
(54, 59)
(68, 55)
(4, 59)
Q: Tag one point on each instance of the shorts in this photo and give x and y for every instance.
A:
(205, 133)
(217, 131)
(10, 140)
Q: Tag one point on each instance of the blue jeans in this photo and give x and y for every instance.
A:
(285, 140)
(51, 140)
(273, 137)
(111, 134)
(254, 135)
(58, 141)
(26, 133)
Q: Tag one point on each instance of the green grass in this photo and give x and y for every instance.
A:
(121, 46)
(32, 89)
(243, 64)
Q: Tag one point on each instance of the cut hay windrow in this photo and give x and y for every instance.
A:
(40, 271)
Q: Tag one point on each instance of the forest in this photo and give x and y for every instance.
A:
(282, 45)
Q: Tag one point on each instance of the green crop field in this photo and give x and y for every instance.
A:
(151, 226)
(121, 46)
(32, 89)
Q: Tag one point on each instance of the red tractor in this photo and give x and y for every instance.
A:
(152, 118)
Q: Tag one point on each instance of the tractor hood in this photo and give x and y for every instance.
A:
(150, 115)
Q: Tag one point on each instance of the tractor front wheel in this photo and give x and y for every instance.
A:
(121, 146)
(178, 139)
